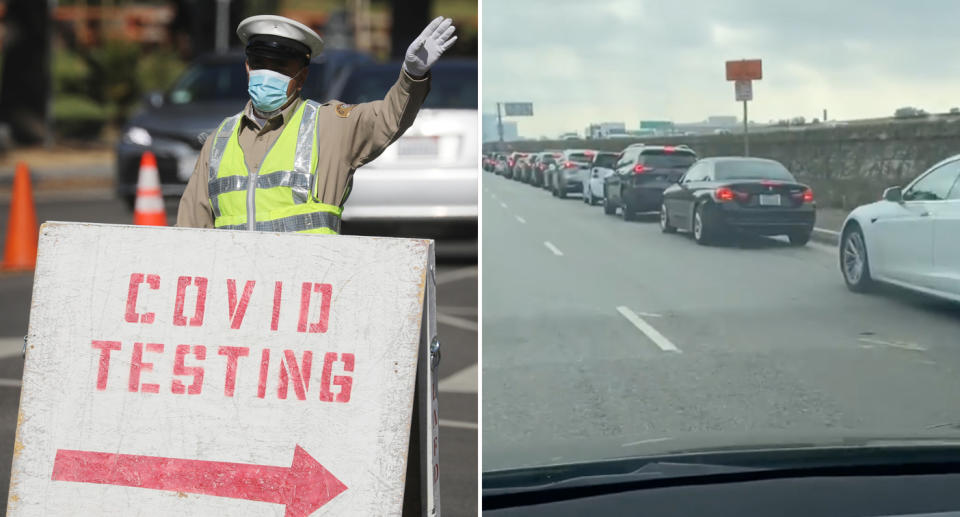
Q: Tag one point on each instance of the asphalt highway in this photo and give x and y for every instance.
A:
(597, 329)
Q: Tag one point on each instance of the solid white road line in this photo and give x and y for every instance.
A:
(457, 322)
(458, 424)
(464, 381)
(522, 220)
(651, 440)
(556, 251)
(659, 339)
(913, 347)
(504, 205)
(455, 275)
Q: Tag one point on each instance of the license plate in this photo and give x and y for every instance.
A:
(769, 199)
(185, 166)
(418, 146)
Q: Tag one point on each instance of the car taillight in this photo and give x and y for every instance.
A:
(542, 166)
(639, 169)
(510, 163)
(808, 196)
(724, 194)
(569, 165)
(669, 149)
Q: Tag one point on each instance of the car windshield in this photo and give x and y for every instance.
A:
(751, 170)
(227, 81)
(778, 262)
(451, 86)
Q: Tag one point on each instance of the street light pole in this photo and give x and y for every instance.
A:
(223, 26)
(500, 125)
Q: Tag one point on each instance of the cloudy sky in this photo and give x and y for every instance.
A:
(630, 60)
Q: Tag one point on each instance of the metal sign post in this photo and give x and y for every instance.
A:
(743, 72)
(512, 109)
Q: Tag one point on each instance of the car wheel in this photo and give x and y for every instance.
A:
(854, 262)
(608, 208)
(799, 238)
(627, 212)
(586, 200)
(562, 191)
(702, 231)
(665, 226)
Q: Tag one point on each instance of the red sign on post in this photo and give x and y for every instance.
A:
(744, 70)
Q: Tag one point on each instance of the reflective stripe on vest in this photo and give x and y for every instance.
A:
(282, 198)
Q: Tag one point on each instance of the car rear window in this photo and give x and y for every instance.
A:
(605, 160)
(451, 87)
(658, 158)
(751, 170)
(548, 159)
(580, 157)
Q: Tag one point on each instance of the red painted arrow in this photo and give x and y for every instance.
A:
(303, 487)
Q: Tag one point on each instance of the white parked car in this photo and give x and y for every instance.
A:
(911, 238)
(429, 176)
(600, 168)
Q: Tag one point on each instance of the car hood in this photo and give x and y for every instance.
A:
(543, 452)
(185, 121)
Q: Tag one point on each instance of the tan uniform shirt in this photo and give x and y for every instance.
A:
(347, 137)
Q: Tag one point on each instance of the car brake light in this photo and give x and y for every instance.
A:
(724, 194)
(669, 149)
(639, 169)
(808, 196)
(510, 163)
(569, 165)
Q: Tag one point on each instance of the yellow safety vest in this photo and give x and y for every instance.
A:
(281, 194)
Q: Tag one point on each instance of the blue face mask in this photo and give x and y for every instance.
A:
(268, 90)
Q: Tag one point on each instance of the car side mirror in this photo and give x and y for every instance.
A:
(893, 194)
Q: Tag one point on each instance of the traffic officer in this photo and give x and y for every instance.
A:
(284, 164)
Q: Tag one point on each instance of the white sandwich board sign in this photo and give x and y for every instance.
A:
(174, 371)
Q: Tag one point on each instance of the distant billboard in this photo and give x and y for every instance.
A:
(656, 124)
(518, 109)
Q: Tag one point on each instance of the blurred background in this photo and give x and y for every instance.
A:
(88, 87)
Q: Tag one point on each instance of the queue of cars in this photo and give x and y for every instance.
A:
(710, 198)
(909, 238)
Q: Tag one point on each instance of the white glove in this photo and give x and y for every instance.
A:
(429, 46)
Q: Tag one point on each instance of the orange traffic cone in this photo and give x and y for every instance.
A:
(20, 251)
(148, 209)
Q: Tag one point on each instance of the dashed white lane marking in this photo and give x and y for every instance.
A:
(504, 205)
(651, 440)
(913, 347)
(649, 315)
(458, 424)
(457, 322)
(658, 339)
(522, 220)
(556, 251)
(454, 275)
(11, 346)
(464, 381)
(826, 231)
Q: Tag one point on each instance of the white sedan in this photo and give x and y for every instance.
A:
(911, 238)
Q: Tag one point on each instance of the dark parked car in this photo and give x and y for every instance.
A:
(545, 160)
(175, 124)
(570, 172)
(641, 175)
(734, 193)
(512, 163)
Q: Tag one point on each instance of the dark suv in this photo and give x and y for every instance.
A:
(640, 176)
